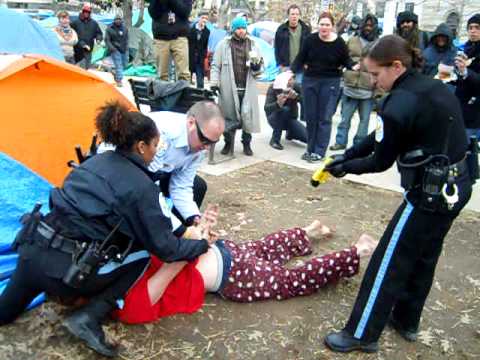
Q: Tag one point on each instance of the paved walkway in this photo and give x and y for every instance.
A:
(291, 155)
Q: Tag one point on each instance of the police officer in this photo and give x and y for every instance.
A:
(184, 140)
(95, 241)
(420, 124)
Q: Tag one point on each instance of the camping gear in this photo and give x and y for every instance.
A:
(48, 107)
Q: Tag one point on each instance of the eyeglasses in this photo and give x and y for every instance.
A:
(203, 139)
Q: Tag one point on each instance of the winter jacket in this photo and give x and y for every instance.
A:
(434, 55)
(159, 11)
(116, 38)
(67, 40)
(281, 43)
(468, 89)
(222, 76)
(197, 49)
(87, 30)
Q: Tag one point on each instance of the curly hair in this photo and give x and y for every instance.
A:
(123, 128)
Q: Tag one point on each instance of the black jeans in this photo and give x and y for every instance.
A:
(282, 120)
(34, 275)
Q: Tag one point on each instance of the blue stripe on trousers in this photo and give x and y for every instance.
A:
(382, 271)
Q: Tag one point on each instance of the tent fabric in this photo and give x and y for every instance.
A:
(48, 107)
(20, 190)
(20, 34)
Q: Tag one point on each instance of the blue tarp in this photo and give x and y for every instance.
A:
(20, 190)
(20, 34)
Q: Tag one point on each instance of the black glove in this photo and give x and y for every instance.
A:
(336, 166)
(337, 159)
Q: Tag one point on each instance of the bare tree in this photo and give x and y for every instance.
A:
(141, 12)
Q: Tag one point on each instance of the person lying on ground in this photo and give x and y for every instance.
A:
(244, 272)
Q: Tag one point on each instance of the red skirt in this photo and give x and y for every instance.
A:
(185, 294)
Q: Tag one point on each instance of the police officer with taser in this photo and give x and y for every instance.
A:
(95, 241)
(420, 125)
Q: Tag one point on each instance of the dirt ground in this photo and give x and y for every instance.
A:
(261, 199)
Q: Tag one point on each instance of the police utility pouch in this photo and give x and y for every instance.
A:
(472, 159)
(435, 176)
(89, 257)
(30, 222)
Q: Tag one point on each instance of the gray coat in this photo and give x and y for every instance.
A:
(221, 75)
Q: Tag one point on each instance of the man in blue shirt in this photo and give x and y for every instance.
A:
(183, 141)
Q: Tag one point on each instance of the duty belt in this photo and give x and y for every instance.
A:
(54, 240)
(461, 167)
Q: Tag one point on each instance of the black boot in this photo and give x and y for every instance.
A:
(85, 325)
(408, 334)
(226, 149)
(344, 342)
(247, 150)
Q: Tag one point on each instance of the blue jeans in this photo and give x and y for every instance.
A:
(120, 61)
(320, 99)
(349, 105)
(282, 120)
(199, 74)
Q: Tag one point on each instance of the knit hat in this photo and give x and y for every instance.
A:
(239, 23)
(281, 81)
(86, 8)
(475, 19)
(406, 16)
(118, 16)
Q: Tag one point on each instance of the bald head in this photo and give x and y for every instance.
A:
(207, 117)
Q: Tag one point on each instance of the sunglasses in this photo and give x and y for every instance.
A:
(203, 139)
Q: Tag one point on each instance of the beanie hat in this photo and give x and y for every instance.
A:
(406, 16)
(475, 19)
(239, 23)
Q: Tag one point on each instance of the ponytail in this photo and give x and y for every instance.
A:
(392, 48)
(122, 128)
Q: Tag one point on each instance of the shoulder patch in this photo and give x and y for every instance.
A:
(166, 209)
(379, 129)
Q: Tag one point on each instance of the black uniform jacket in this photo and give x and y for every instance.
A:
(115, 185)
(415, 115)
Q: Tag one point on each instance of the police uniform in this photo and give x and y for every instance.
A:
(113, 190)
(418, 114)
(176, 166)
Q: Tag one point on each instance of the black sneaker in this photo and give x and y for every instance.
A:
(343, 342)
(276, 145)
(408, 334)
(315, 157)
(337, 147)
(306, 156)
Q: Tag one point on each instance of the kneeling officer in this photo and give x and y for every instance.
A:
(420, 125)
(95, 241)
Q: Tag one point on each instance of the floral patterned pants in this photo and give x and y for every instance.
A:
(258, 269)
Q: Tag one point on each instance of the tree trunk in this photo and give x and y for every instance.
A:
(127, 13)
(141, 10)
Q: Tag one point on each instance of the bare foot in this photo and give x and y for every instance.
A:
(316, 231)
(366, 245)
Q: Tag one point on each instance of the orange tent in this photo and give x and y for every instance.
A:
(46, 108)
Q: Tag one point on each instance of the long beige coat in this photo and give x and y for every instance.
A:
(221, 75)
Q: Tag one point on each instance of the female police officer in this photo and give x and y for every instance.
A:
(420, 124)
(103, 223)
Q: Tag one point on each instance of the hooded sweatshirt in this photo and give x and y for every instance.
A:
(435, 55)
